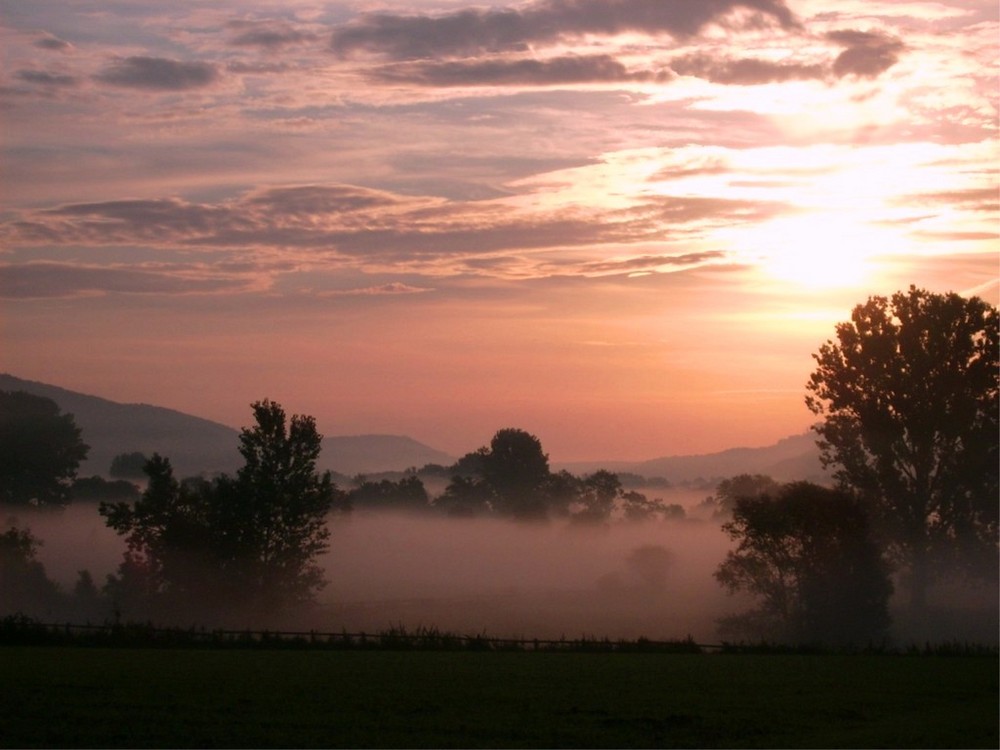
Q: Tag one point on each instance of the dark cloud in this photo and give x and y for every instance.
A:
(43, 78)
(271, 35)
(744, 71)
(473, 32)
(46, 280)
(652, 262)
(53, 43)
(158, 74)
(528, 72)
(868, 53)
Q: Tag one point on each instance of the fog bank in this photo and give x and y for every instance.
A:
(621, 580)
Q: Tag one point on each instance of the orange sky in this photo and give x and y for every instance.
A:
(623, 226)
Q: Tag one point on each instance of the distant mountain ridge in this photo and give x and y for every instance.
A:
(199, 446)
(193, 445)
(792, 458)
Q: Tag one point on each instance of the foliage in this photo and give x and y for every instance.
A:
(515, 469)
(728, 491)
(244, 541)
(408, 493)
(511, 478)
(806, 553)
(24, 585)
(129, 465)
(97, 488)
(40, 450)
(272, 517)
(909, 398)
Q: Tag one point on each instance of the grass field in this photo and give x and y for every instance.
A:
(114, 697)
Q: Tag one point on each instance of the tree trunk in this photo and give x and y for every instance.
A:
(919, 582)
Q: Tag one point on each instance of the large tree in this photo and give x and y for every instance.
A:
(806, 554)
(516, 469)
(272, 516)
(908, 395)
(249, 541)
(40, 450)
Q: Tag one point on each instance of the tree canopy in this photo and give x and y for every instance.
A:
(40, 450)
(806, 553)
(249, 541)
(908, 395)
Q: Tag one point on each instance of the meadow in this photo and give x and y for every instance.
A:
(65, 696)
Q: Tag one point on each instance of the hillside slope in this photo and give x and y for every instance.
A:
(193, 445)
(200, 446)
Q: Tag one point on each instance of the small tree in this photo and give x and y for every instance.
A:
(806, 553)
(129, 465)
(599, 491)
(170, 563)
(408, 493)
(910, 399)
(40, 450)
(742, 485)
(24, 586)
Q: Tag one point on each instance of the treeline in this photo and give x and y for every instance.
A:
(245, 547)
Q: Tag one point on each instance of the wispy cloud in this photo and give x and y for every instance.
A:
(47, 279)
(270, 35)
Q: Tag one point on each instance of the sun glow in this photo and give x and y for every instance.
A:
(817, 250)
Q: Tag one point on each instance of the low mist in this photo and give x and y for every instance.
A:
(650, 579)
(623, 580)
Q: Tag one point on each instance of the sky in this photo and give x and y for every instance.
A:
(622, 225)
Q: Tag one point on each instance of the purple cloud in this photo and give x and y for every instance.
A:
(45, 280)
(569, 69)
(43, 78)
(744, 71)
(53, 43)
(158, 74)
(271, 35)
(472, 32)
(868, 53)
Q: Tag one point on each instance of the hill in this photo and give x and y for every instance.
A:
(200, 446)
(193, 445)
(369, 454)
(792, 458)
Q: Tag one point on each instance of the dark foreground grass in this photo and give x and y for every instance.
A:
(116, 697)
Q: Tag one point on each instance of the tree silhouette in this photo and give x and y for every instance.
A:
(742, 485)
(40, 450)
(270, 520)
(248, 541)
(170, 561)
(129, 465)
(24, 585)
(516, 469)
(909, 399)
(408, 493)
(807, 553)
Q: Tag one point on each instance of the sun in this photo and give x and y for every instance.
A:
(816, 250)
